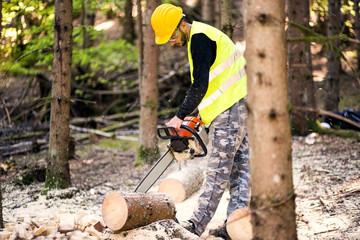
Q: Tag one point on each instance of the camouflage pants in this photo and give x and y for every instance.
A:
(228, 161)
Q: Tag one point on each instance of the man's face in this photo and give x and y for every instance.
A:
(178, 38)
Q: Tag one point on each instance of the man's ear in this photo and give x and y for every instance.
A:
(183, 24)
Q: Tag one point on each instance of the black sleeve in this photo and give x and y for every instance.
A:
(203, 51)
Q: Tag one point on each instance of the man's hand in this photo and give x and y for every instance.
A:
(175, 122)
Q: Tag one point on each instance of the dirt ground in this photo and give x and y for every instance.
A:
(326, 182)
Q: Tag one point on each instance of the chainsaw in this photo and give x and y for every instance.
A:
(187, 143)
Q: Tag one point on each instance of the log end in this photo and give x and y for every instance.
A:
(239, 225)
(174, 189)
(115, 211)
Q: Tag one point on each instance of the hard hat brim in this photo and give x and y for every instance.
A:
(162, 40)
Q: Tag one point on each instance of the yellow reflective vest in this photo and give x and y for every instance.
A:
(227, 76)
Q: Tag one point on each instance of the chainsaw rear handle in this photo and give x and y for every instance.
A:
(171, 133)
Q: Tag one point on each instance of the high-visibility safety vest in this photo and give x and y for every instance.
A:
(227, 76)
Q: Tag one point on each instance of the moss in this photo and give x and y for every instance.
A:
(108, 143)
(55, 181)
(147, 155)
(344, 133)
(151, 104)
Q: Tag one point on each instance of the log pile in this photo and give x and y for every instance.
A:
(63, 225)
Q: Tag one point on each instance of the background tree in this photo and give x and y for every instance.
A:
(88, 22)
(208, 12)
(128, 23)
(0, 19)
(272, 196)
(1, 207)
(332, 97)
(357, 30)
(226, 24)
(148, 149)
(301, 85)
(140, 42)
(57, 172)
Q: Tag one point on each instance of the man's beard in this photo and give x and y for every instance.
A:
(182, 40)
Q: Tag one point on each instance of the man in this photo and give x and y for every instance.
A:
(219, 91)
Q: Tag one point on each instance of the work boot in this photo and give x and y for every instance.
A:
(220, 233)
(189, 225)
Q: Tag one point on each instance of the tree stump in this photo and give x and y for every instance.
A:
(182, 184)
(238, 225)
(124, 211)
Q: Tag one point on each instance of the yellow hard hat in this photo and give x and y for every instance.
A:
(164, 21)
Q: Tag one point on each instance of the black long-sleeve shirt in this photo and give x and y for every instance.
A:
(203, 51)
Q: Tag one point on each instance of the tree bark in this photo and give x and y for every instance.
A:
(226, 24)
(124, 211)
(148, 150)
(182, 184)
(140, 40)
(208, 12)
(58, 173)
(128, 23)
(301, 85)
(238, 225)
(269, 122)
(0, 19)
(357, 30)
(333, 64)
(88, 20)
(1, 206)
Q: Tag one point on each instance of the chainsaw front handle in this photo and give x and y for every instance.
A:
(171, 133)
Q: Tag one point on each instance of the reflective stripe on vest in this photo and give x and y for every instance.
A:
(227, 76)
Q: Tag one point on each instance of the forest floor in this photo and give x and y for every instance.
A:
(325, 172)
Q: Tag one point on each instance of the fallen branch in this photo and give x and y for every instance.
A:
(6, 110)
(101, 133)
(327, 113)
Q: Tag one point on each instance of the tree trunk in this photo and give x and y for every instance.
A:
(301, 85)
(128, 23)
(140, 40)
(131, 210)
(148, 150)
(58, 173)
(1, 206)
(238, 225)
(0, 19)
(357, 30)
(333, 64)
(272, 196)
(226, 24)
(208, 12)
(182, 184)
(88, 19)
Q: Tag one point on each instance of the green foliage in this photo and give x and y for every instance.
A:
(27, 47)
(123, 145)
(107, 56)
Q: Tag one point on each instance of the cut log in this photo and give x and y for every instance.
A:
(238, 225)
(124, 211)
(182, 184)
